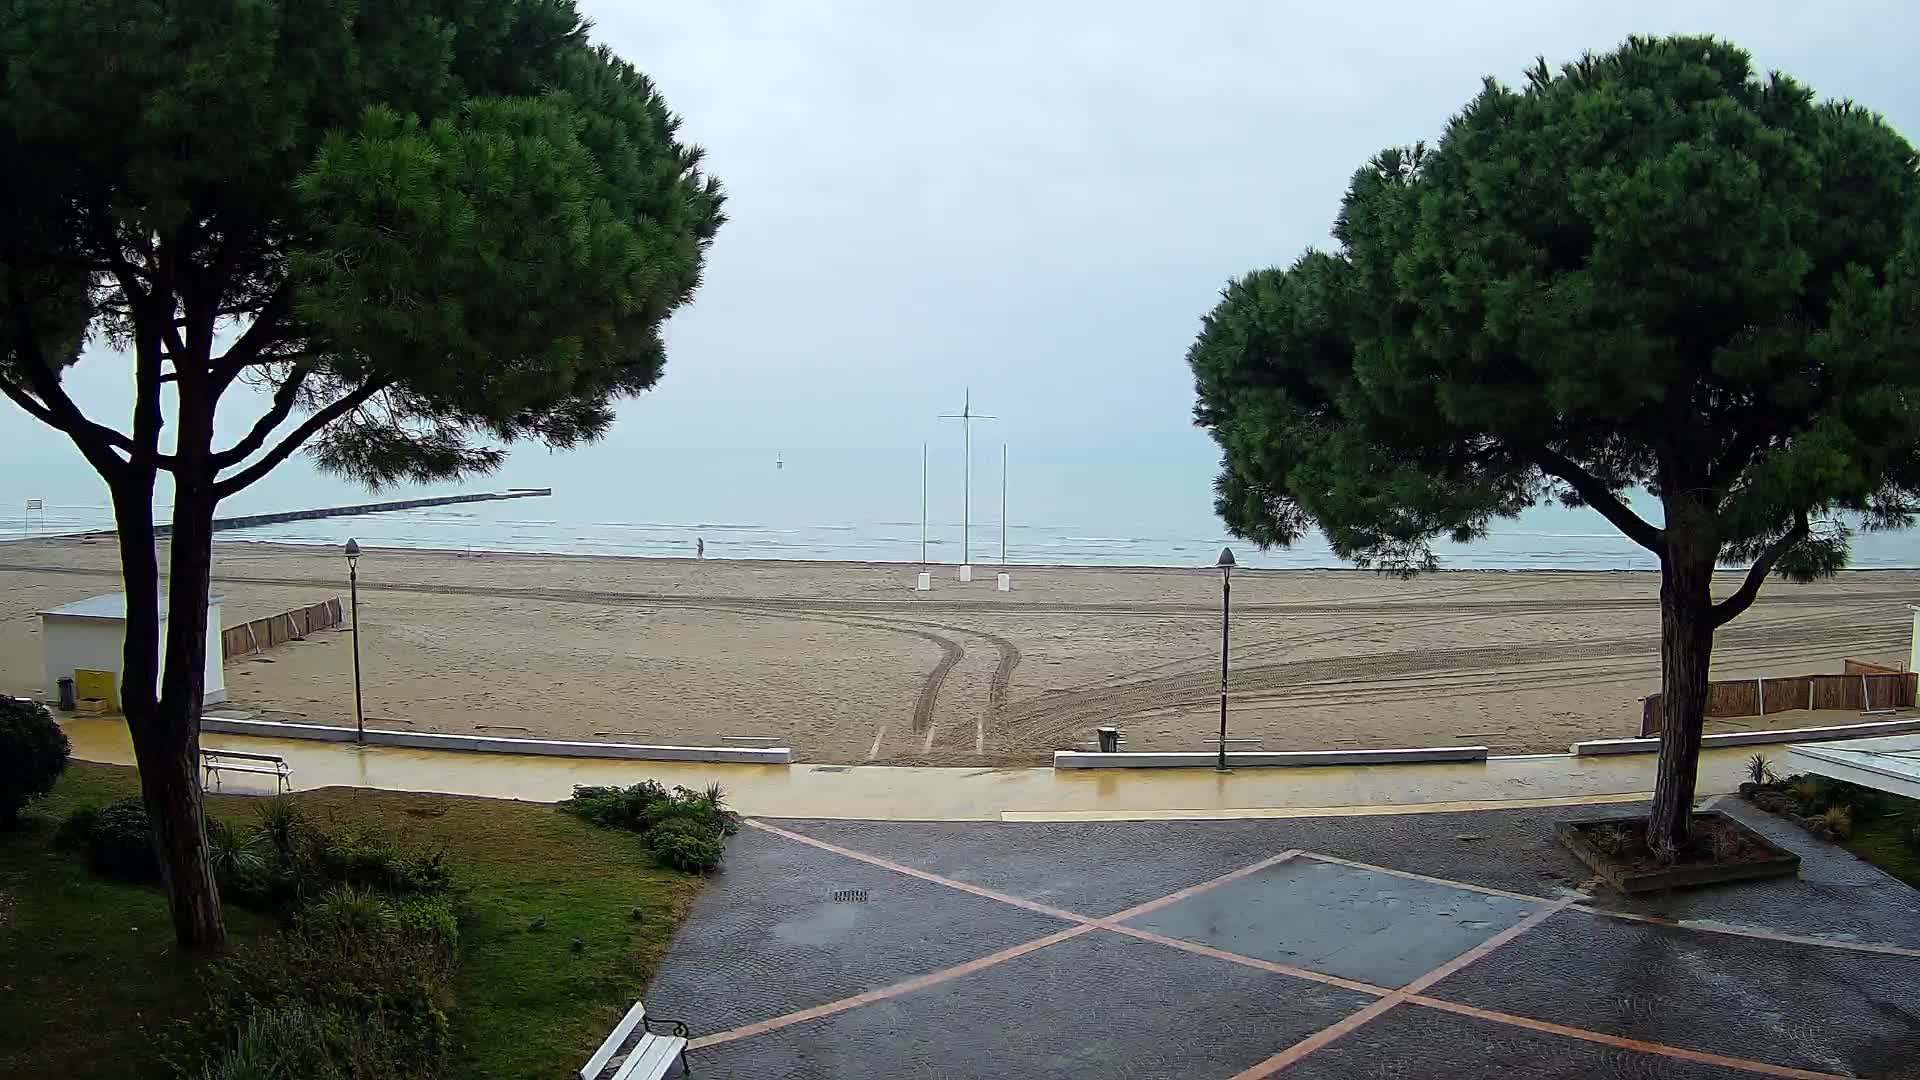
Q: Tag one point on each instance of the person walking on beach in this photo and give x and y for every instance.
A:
(699, 547)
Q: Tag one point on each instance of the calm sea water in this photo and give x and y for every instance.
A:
(839, 506)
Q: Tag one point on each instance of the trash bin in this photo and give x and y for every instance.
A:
(66, 693)
(1109, 740)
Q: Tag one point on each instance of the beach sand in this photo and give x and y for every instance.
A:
(845, 663)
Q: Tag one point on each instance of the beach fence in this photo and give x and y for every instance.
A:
(263, 634)
(1862, 687)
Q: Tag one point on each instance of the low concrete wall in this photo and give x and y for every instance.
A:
(1753, 738)
(423, 740)
(1080, 759)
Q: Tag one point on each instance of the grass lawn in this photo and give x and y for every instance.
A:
(90, 982)
(1883, 842)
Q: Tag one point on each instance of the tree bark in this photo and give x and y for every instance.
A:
(1686, 652)
(170, 767)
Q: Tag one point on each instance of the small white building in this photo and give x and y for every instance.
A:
(91, 635)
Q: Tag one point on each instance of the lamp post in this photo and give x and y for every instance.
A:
(1226, 605)
(353, 590)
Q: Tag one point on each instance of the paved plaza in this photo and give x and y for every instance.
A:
(1418, 945)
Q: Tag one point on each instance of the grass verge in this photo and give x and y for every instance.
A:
(91, 983)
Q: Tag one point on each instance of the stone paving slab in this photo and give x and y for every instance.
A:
(1411, 1043)
(765, 936)
(1101, 868)
(1339, 920)
(1806, 1006)
(1098, 1005)
(1826, 900)
(765, 942)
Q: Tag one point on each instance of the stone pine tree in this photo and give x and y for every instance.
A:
(421, 228)
(1652, 270)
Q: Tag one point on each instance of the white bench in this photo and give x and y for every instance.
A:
(648, 1057)
(214, 762)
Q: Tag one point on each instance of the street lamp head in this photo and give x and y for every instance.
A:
(1226, 563)
(353, 549)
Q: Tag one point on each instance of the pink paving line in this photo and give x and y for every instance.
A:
(1750, 932)
(934, 978)
(1449, 882)
(1198, 949)
(1332, 1032)
(1760, 933)
(1387, 998)
(1195, 890)
(1662, 1049)
(901, 868)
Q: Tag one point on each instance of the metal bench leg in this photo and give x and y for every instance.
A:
(684, 1069)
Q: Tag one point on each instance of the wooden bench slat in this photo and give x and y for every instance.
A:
(613, 1042)
(652, 1058)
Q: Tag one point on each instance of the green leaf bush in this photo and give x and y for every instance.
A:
(33, 754)
(685, 829)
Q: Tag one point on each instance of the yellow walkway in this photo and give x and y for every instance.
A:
(928, 794)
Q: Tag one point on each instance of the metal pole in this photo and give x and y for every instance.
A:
(966, 485)
(1003, 504)
(359, 713)
(923, 506)
(1226, 605)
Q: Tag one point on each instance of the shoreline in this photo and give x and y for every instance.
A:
(981, 566)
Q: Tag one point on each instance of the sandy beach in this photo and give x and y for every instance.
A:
(847, 663)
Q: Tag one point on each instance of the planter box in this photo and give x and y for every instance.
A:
(1780, 863)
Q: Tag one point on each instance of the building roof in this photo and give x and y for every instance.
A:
(111, 606)
(1890, 763)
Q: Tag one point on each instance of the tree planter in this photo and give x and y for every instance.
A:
(1630, 871)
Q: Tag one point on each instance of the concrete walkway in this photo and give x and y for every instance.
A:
(1463, 945)
(890, 793)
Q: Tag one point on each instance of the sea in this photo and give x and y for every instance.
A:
(837, 505)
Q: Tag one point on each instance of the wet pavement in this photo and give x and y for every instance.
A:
(1416, 945)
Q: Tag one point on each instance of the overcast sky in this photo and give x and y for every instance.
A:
(1041, 199)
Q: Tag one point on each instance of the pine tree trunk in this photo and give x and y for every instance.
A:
(163, 707)
(174, 797)
(1686, 650)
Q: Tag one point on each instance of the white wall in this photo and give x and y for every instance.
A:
(96, 644)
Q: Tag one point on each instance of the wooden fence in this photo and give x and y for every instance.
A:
(263, 634)
(1865, 686)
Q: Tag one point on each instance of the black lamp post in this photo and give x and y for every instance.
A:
(353, 590)
(1226, 605)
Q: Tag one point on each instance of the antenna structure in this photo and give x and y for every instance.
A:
(966, 416)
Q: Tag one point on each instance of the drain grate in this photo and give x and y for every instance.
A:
(850, 896)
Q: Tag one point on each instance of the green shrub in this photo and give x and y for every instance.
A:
(1836, 823)
(280, 823)
(119, 844)
(686, 844)
(76, 827)
(300, 861)
(617, 808)
(686, 829)
(376, 977)
(33, 754)
(235, 855)
(277, 1044)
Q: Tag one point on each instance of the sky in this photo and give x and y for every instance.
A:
(1037, 201)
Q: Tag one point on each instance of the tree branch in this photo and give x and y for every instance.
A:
(241, 480)
(96, 441)
(1595, 494)
(258, 335)
(1742, 599)
(284, 400)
